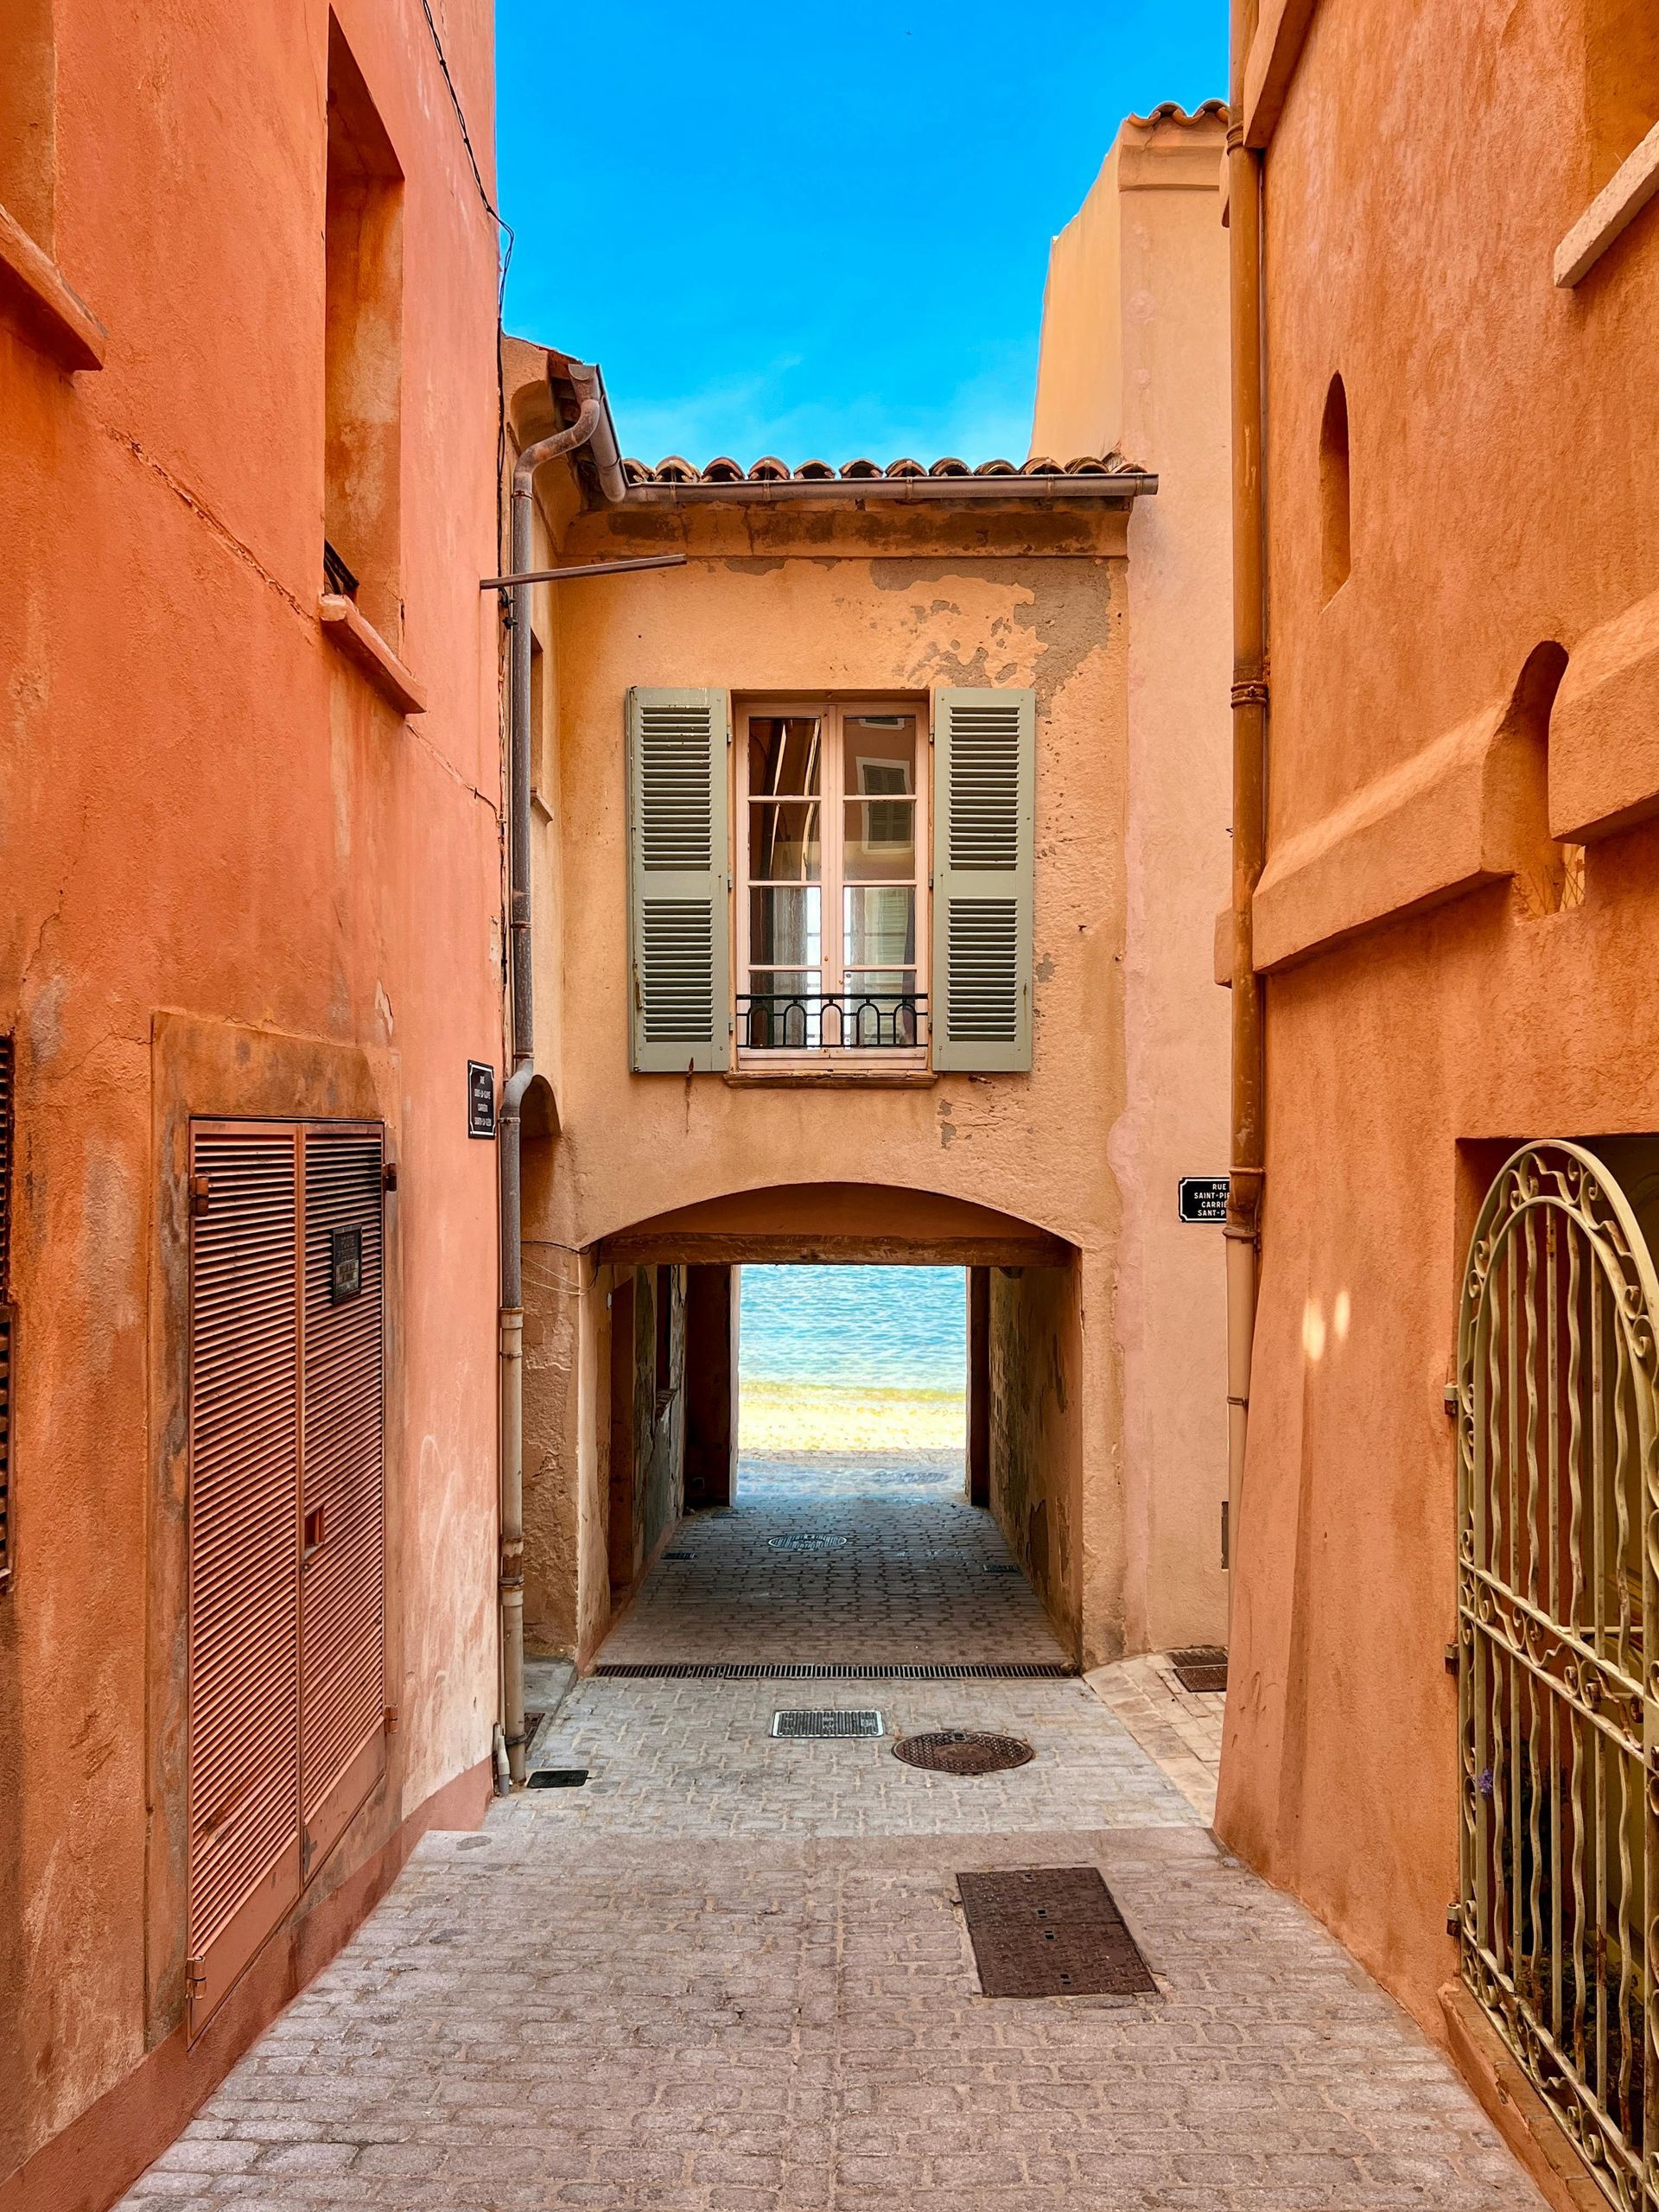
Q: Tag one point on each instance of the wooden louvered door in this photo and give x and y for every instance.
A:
(244, 1700)
(985, 769)
(678, 880)
(342, 1667)
(286, 1703)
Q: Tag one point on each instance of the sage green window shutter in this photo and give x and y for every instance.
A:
(678, 861)
(984, 774)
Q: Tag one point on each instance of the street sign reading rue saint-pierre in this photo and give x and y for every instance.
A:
(480, 1099)
(1204, 1197)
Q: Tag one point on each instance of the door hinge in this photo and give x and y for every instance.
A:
(391, 1720)
(1450, 1402)
(1452, 1658)
(195, 1975)
(200, 1189)
(390, 1176)
(1455, 1917)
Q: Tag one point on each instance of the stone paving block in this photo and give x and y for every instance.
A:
(732, 1975)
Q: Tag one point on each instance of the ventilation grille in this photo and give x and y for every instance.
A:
(676, 958)
(7, 1318)
(833, 1670)
(984, 824)
(677, 828)
(245, 1478)
(342, 1690)
(5, 1448)
(982, 957)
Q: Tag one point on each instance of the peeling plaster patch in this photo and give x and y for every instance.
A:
(46, 1021)
(383, 1007)
(947, 1127)
(1045, 969)
(738, 564)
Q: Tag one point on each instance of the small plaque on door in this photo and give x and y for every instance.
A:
(345, 1265)
(480, 1099)
(1204, 1197)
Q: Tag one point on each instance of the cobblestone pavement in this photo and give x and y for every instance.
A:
(917, 1573)
(585, 2004)
(1181, 1728)
(698, 1759)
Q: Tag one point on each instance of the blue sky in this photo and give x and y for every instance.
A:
(817, 231)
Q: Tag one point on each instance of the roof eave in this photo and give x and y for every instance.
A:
(1121, 489)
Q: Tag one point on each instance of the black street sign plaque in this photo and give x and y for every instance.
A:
(480, 1099)
(1204, 1197)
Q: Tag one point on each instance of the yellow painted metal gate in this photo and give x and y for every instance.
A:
(1558, 1640)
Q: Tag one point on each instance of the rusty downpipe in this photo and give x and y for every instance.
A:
(592, 429)
(1246, 1167)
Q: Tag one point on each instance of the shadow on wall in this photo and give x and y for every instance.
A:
(1035, 1445)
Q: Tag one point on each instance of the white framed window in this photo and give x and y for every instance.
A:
(831, 879)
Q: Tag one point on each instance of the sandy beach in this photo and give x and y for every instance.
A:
(831, 1417)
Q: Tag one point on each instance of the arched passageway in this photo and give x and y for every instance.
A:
(947, 1550)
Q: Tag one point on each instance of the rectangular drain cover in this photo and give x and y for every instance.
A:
(555, 1777)
(1051, 1931)
(822, 1721)
(1201, 1667)
(807, 1544)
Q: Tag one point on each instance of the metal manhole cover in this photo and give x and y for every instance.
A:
(1051, 1931)
(823, 1720)
(1201, 1667)
(964, 1751)
(807, 1544)
(1002, 1567)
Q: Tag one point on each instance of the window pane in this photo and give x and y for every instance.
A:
(784, 842)
(785, 1011)
(785, 754)
(784, 927)
(878, 928)
(881, 1007)
(879, 839)
(879, 754)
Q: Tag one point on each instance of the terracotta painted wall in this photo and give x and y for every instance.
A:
(236, 880)
(901, 602)
(1134, 357)
(1422, 1015)
(1037, 1394)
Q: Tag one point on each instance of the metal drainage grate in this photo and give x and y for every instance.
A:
(679, 1555)
(557, 1777)
(1201, 1667)
(823, 1720)
(1002, 1566)
(964, 1751)
(807, 1544)
(833, 1670)
(1051, 1931)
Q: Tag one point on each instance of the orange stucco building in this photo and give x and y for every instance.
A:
(871, 846)
(250, 836)
(1438, 1700)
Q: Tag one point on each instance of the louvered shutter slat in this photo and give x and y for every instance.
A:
(342, 1663)
(679, 985)
(984, 815)
(243, 1762)
(8, 1318)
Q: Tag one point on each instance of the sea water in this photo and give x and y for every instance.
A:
(852, 1359)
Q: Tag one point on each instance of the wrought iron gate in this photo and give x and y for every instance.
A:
(1559, 1649)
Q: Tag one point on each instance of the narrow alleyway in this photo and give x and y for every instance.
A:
(732, 1972)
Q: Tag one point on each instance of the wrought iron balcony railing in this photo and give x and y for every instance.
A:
(834, 1021)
